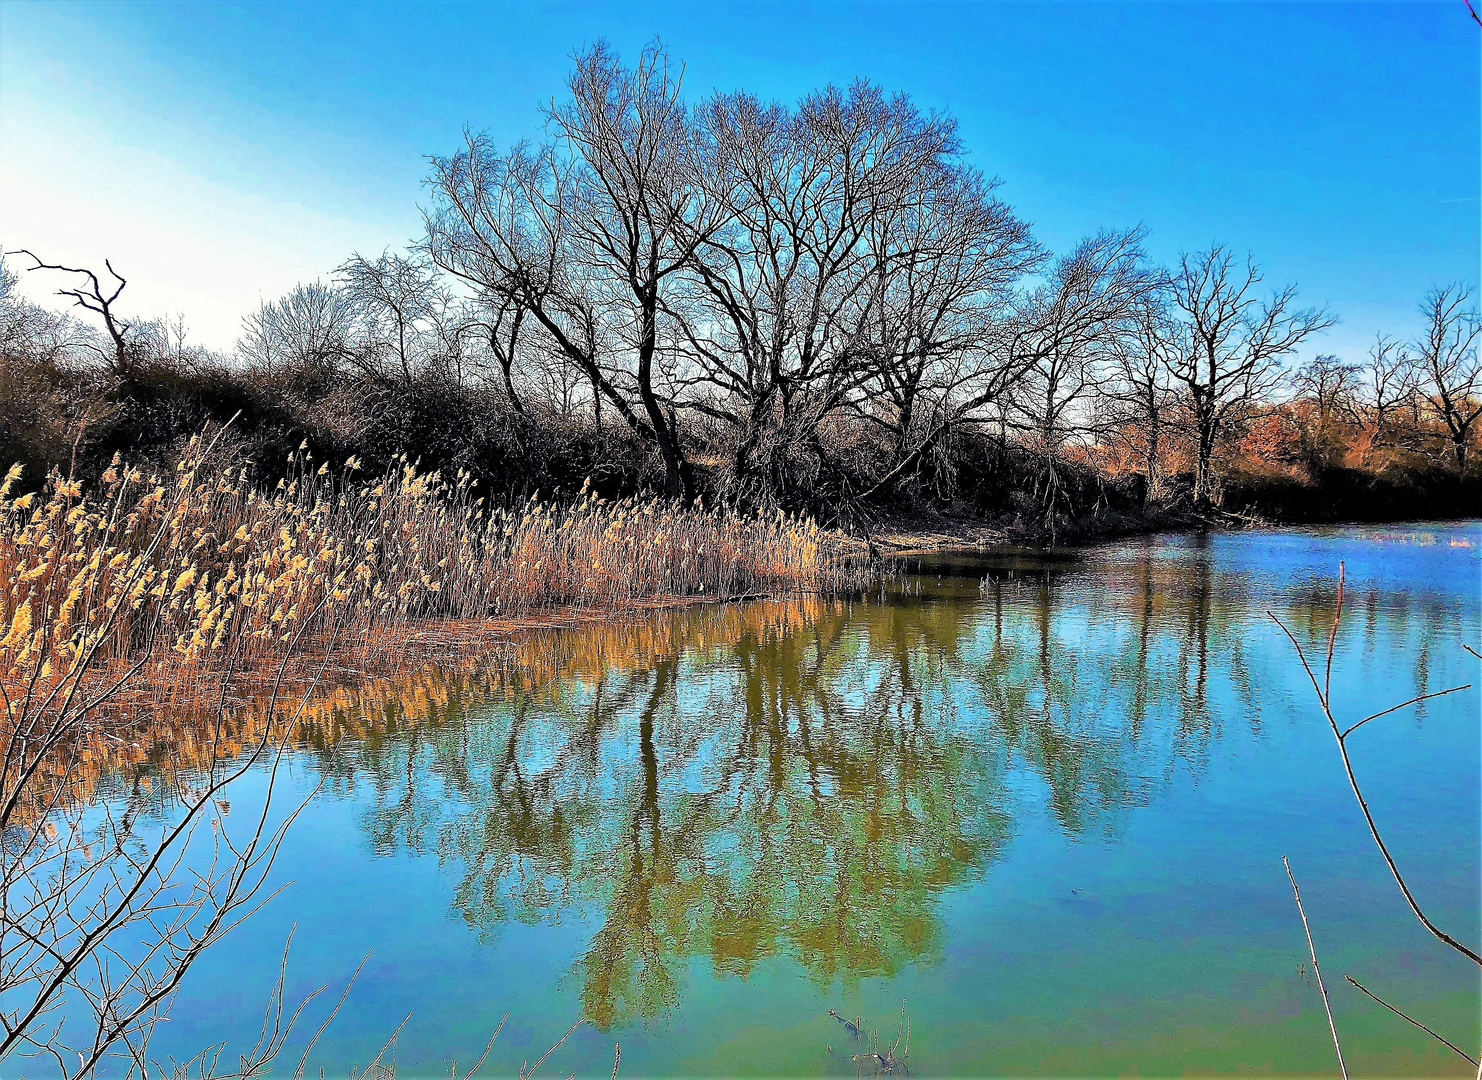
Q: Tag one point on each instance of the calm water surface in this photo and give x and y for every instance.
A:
(1039, 804)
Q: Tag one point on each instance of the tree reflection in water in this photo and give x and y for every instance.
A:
(806, 778)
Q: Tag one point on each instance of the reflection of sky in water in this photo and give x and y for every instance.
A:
(1043, 801)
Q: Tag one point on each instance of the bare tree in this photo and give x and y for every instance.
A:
(946, 265)
(1388, 382)
(30, 331)
(1137, 396)
(1068, 332)
(1228, 347)
(1329, 387)
(840, 257)
(308, 329)
(501, 223)
(1447, 357)
(91, 295)
(641, 209)
(398, 302)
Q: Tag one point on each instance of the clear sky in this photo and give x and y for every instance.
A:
(219, 153)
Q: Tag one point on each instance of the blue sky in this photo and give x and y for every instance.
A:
(219, 153)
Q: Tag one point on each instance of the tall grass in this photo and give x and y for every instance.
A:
(192, 573)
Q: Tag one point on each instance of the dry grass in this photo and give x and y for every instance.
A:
(179, 579)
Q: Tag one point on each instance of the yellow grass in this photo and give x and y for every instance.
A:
(184, 575)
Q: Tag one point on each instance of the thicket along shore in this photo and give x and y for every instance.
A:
(180, 576)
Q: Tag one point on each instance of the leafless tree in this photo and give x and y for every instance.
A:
(587, 234)
(1388, 381)
(1331, 385)
(1136, 396)
(309, 329)
(168, 339)
(29, 331)
(1447, 358)
(1228, 347)
(1330, 388)
(398, 303)
(946, 265)
(642, 209)
(856, 251)
(1068, 333)
(92, 295)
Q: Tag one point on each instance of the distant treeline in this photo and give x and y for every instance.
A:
(818, 307)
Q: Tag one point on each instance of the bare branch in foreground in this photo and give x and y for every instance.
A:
(1410, 1019)
(1325, 702)
(1311, 949)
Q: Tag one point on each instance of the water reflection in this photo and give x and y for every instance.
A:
(771, 791)
(806, 777)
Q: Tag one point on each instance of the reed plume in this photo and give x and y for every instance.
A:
(181, 574)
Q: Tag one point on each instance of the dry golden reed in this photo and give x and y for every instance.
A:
(179, 576)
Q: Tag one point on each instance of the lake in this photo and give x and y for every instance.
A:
(1035, 804)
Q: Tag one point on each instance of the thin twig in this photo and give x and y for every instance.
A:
(525, 1073)
(1323, 701)
(1312, 950)
(1411, 1019)
(479, 1064)
(1395, 708)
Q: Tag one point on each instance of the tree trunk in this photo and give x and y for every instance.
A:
(1150, 460)
(678, 484)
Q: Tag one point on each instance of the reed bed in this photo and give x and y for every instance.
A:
(182, 577)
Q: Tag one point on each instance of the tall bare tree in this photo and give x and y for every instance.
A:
(1135, 398)
(1068, 333)
(396, 301)
(1228, 346)
(1328, 388)
(853, 273)
(90, 294)
(640, 209)
(1387, 381)
(947, 263)
(1447, 357)
(588, 234)
(309, 329)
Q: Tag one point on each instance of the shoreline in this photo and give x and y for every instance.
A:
(945, 533)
